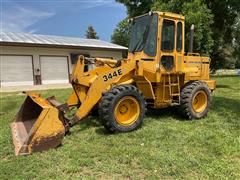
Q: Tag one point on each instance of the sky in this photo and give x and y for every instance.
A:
(61, 17)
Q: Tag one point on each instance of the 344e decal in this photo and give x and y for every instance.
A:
(112, 75)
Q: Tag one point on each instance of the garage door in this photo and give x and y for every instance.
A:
(16, 70)
(54, 70)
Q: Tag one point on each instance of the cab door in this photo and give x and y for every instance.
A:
(179, 56)
(172, 45)
(168, 46)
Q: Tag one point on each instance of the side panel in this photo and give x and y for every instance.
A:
(196, 68)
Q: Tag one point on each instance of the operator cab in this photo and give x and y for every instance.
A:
(158, 36)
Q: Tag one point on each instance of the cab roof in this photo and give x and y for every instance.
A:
(165, 14)
(169, 14)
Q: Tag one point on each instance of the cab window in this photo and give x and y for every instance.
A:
(179, 36)
(151, 44)
(168, 35)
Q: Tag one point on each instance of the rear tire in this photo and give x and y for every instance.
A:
(195, 100)
(122, 109)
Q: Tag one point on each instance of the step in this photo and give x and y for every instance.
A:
(175, 104)
(167, 101)
(172, 84)
(175, 94)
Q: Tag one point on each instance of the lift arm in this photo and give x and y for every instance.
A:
(97, 82)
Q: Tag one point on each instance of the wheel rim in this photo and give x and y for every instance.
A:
(199, 102)
(127, 111)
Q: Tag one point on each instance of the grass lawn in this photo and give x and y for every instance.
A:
(166, 147)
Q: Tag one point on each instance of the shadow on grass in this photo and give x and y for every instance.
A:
(228, 111)
(90, 122)
(219, 105)
(227, 104)
(172, 112)
(152, 114)
(224, 76)
(224, 86)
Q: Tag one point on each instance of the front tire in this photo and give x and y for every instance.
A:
(195, 100)
(122, 109)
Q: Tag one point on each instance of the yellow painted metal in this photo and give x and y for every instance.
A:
(146, 72)
(199, 102)
(188, 67)
(98, 86)
(127, 111)
(211, 84)
(73, 99)
(147, 75)
(37, 126)
(145, 86)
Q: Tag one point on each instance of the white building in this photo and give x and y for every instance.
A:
(30, 59)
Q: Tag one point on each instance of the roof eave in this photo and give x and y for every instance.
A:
(62, 46)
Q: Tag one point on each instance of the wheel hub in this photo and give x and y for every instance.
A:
(127, 111)
(199, 102)
(123, 109)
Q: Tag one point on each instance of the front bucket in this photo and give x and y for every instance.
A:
(37, 126)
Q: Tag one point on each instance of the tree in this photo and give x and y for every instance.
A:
(137, 7)
(121, 33)
(91, 33)
(236, 41)
(214, 21)
(195, 12)
(225, 13)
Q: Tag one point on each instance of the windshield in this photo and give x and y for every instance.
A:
(144, 35)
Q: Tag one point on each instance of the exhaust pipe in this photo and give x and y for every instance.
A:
(191, 39)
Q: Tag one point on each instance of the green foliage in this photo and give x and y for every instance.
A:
(91, 33)
(225, 13)
(121, 33)
(197, 13)
(166, 147)
(215, 23)
(137, 7)
(236, 42)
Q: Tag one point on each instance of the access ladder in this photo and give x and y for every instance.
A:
(169, 82)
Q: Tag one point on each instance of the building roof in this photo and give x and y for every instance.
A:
(50, 40)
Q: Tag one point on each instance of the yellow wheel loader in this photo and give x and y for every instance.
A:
(157, 73)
